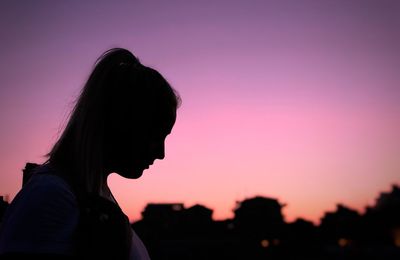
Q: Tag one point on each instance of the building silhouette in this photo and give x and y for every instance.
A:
(3, 206)
(341, 227)
(197, 221)
(259, 218)
(383, 219)
(28, 171)
(259, 231)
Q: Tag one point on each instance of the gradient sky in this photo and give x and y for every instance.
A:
(294, 100)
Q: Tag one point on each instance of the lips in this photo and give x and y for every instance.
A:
(147, 165)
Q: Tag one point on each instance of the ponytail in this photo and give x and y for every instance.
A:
(118, 80)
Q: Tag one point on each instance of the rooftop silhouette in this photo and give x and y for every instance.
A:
(259, 231)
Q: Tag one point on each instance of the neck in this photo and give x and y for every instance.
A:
(105, 191)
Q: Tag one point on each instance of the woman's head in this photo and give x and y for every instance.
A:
(119, 123)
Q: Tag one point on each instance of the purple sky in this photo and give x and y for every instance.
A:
(297, 100)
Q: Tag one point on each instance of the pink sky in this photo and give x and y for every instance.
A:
(295, 100)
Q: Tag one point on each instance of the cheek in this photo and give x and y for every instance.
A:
(137, 150)
(120, 150)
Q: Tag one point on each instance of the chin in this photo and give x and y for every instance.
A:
(131, 174)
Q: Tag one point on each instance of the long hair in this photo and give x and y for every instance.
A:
(119, 87)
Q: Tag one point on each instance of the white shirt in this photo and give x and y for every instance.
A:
(138, 249)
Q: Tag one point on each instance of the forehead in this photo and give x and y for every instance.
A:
(165, 121)
(160, 122)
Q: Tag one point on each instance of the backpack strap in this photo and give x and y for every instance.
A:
(104, 231)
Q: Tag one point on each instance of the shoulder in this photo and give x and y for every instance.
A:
(43, 216)
(45, 190)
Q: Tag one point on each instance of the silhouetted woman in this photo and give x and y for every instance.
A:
(119, 124)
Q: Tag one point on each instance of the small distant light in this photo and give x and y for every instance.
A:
(396, 237)
(264, 243)
(177, 207)
(343, 242)
(276, 242)
(397, 242)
